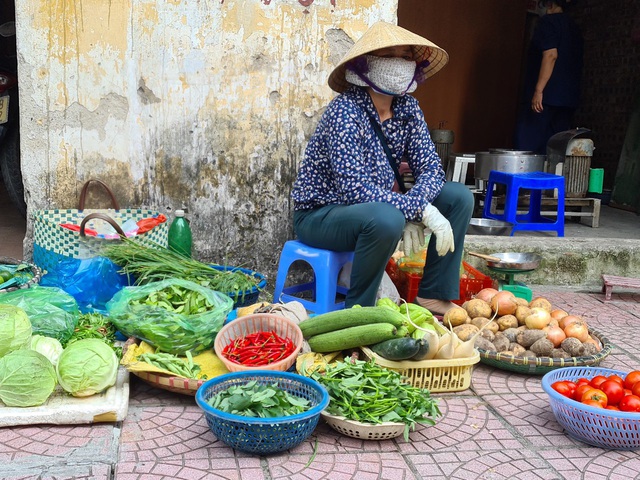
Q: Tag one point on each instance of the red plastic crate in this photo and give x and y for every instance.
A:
(472, 283)
(408, 283)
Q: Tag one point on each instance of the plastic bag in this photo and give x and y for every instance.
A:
(92, 282)
(168, 330)
(386, 289)
(52, 312)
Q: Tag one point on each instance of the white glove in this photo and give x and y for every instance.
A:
(413, 238)
(441, 228)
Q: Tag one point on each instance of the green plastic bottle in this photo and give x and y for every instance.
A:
(180, 240)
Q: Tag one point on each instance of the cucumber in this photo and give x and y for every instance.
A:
(351, 337)
(397, 348)
(350, 317)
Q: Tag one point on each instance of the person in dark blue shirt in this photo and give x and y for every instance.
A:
(552, 79)
(343, 196)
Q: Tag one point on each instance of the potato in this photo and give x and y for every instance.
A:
(522, 312)
(481, 321)
(507, 321)
(477, 307)
(466, 331)
(559, 353)
(589, 349)
(526, 338)
(572, 346)
(501, 342)
(488, 334)
(517, 349)
(455, 316)
(522, 301)
(541, 302)
(511, 334)
(542, 347)
(484, 344)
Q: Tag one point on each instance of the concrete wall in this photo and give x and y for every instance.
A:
(202, 104)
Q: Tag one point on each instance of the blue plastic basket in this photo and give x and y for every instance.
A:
(263, 436)
(599, 427)
(248, 297)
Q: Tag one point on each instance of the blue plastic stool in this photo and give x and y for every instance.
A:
(536, 182)
(326, 266)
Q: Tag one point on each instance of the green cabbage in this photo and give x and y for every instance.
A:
(47, 346)
(15, 329)
(87, 367)
(27, 378)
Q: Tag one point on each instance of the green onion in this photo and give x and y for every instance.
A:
(156, 263)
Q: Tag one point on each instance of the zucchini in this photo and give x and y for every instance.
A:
(351, 337)
(397, 348)
(350, 317)
(423, 351)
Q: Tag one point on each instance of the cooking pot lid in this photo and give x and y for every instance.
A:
(510, 152)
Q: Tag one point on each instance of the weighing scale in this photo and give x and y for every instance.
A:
(511, 264)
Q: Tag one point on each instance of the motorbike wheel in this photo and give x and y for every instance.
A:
(11, 173)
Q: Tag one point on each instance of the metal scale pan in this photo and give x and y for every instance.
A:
(510, 264)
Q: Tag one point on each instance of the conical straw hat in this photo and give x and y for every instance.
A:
(382, 35)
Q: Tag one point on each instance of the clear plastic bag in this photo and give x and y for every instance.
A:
(165, 329)
(52, 312)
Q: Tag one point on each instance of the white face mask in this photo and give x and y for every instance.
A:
(389, 76)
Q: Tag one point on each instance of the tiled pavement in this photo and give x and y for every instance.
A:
(501, 428)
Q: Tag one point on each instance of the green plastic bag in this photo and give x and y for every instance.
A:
(166, 329)
(52, 311)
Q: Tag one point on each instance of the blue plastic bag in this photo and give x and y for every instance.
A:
(92, 282)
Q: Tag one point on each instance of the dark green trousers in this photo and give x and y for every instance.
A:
(372, 232)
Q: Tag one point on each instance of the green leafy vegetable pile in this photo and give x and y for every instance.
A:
(365, 392)
(258, 400)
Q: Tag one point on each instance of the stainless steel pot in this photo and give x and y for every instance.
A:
(508, 161)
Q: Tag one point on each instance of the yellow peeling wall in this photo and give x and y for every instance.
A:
(203, 104)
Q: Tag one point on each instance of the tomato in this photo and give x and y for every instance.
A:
(616, 378)
(593, 403)
(582, 381)
(631, 379)
(580, 391)
(612, 407)
(627, 392)
(565, 387)
(597, 381)
(630, 403)
(636, 389)
(613, 390)
(596, 395)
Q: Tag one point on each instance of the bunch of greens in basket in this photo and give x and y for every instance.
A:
(155, 263)
(365, 392)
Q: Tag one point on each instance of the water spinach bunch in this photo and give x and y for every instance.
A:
(365, 392)
(254, 399)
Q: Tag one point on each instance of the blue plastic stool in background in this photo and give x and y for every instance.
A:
(536, 182)
(326, 266)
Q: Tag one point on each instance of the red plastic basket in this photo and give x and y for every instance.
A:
(472, 283)
(408, 282)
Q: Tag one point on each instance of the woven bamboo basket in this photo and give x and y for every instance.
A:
(37, 273)
(542, 365)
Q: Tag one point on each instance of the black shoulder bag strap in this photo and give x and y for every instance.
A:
(387, 150)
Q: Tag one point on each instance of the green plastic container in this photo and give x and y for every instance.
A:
(596, 178)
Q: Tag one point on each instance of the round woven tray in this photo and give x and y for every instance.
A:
(542, 365)
(37, 273)
(363, 431)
